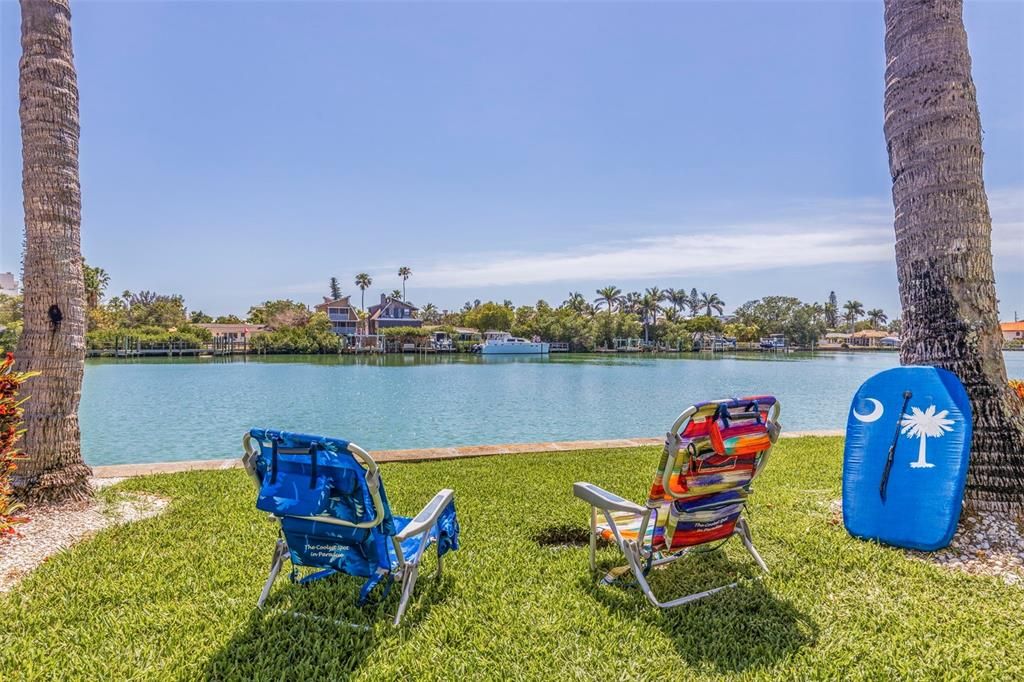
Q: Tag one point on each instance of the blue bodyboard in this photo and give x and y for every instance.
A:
(916, 504)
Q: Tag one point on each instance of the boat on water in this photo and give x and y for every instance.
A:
(503, 343)
(441, 342)
(773, 342)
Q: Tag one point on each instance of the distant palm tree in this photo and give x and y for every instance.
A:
(405, 273)
(576, 303)
(854, 309)
(648, 309)
(694, 302)
(671, 313)
(53, 340)
(96, 281)
(430, 313)
(678, 298)
(363, 281)
(709, 302)
(609, 296)
(335, 287)
(877, 317)
(632, 301)
(657, 295)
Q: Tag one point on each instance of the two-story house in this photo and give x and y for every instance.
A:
(391, 312)
(342, 314)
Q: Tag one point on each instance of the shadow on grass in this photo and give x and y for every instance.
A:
(317, 631)
(738, 629)
(566, 535)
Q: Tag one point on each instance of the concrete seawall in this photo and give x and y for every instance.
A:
(419, 455)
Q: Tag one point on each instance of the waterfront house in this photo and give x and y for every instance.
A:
(391, 312)
(9, 285)
(343, 315)
(233, 332)
(834, 339)
(868, 338)
(1012, 331)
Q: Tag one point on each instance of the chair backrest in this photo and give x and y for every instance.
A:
(329, 497)
(712, 453)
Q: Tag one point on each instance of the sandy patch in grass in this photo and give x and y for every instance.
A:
(985, 544)
(53, 528)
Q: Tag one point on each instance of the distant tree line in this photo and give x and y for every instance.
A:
(671, 317)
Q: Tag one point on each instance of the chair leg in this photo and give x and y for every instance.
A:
(743, 530)
(408, 582)
(593, 538)
(280, 551)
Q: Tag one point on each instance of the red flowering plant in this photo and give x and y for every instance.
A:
(1018, 386)
(10, 421)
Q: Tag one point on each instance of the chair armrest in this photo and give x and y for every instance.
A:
(426, 519)
(601, 498)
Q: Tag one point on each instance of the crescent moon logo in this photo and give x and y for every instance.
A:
(873, 416)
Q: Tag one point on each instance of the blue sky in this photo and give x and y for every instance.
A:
(235, 152)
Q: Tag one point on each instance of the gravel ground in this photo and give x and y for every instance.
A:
(985, 544)
(53, 528)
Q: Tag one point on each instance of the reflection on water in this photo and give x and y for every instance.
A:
(162, 409)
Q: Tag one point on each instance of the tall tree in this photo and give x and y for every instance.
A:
(944, 234)
(832, 311)
(363, 281)
(853, 311)
(96, 282)
(877, 317)
(53, 340)
(694, 302)
(577, 303)
(648, 309)
(335, 286)
(657, 295)
(712, 301)
(678, 298)
(609, 296)
(430, 314)
(405, 273)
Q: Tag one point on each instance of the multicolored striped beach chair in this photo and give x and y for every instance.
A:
(712, 454)
(328, 496)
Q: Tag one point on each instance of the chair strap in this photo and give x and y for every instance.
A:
(313, 459)
(372, 582)
(273, 461)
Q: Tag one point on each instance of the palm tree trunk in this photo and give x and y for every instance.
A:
(53, 341)
(943, 234)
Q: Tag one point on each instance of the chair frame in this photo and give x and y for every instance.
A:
(641, 556)
(408, 567)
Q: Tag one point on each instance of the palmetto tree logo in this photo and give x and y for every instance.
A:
(925, 425)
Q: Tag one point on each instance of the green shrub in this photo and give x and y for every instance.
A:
(313, 337)
(404, 331)
(188, 335)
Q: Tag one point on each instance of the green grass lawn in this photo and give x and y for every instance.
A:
(173, 597)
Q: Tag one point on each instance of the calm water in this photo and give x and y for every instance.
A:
(162, 410)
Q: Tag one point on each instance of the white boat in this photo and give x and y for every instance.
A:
(441, 342)
(503, 343)
(773, 342)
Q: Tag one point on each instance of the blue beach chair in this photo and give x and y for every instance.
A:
(334, 514)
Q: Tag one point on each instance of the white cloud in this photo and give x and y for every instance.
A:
(813, 233)
(723, 251)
